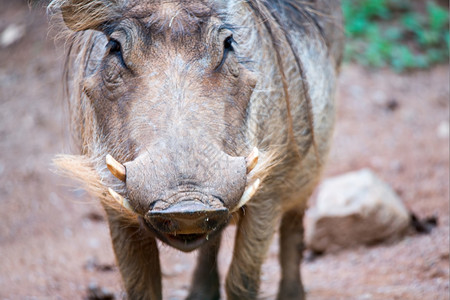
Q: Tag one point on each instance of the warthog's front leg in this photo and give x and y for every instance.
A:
(205, 283)
(138, 257)
(253, 238)
(291, 250)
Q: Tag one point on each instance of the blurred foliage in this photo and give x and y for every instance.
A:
(391, 33)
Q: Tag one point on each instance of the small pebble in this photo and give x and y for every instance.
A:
(11, 34)
(443, 130)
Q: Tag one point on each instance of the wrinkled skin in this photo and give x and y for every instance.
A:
(158, 94)
(179, 93)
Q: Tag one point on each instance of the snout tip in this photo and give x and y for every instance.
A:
(187, 224)
(187, 217)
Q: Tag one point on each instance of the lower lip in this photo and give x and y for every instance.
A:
(175, 240)
(183, 245)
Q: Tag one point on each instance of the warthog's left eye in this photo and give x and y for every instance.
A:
(115, 48)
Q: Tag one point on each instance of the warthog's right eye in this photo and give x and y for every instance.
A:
(227, 47)
(228, 44)
(115, 48)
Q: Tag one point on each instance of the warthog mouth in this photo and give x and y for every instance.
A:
(183, 242)
(186, 242)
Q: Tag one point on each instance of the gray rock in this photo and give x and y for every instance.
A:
(353, 209)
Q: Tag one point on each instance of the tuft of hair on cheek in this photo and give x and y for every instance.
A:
(267, 161)
(82, 169)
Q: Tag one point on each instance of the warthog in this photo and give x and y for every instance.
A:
(190, 114)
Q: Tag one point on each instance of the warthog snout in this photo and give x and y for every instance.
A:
(187, 224)
(185, 202)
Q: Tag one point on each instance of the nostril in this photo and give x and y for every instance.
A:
(164, 224)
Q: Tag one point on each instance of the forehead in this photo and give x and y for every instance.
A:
(180, 17)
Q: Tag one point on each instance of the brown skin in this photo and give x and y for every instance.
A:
(162, 89)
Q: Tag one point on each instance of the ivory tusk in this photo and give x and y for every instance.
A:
(116, 168)
(252, 159)
(121, 200)
(248, 193)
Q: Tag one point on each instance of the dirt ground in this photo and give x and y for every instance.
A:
(54, 241)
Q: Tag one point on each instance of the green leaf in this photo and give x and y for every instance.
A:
(390, 32)
(428, 38)
(393, 34)
(412, 21)
(438, 17)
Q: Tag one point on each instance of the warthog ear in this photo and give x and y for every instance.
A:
(81, 15)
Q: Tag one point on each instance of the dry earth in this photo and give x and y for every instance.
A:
(54, 241)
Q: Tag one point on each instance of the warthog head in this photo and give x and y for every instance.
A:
(169, 97)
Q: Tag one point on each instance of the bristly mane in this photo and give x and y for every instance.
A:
(285, 14)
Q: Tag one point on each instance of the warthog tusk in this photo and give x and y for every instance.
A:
(252, 159)
(248, 193)
(121, 200)
(116, 168)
